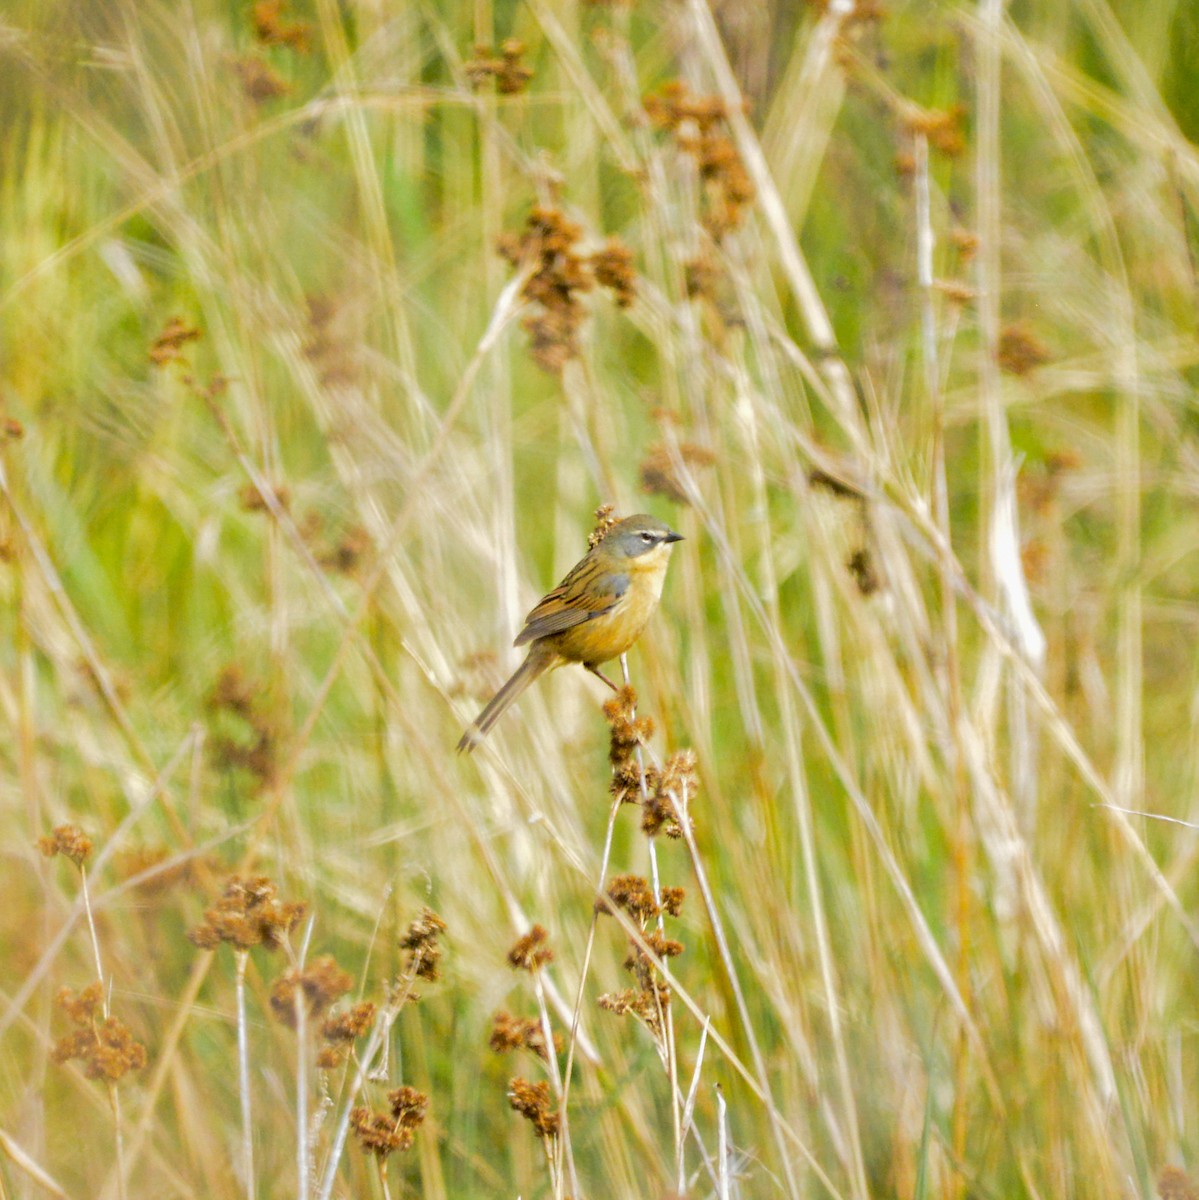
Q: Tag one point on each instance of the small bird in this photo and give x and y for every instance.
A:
(595, 614)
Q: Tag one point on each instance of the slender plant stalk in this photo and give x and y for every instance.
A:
(114, 1096)
(547, 1032)
(364, 1070)
(300, 1004)
(300, 1007)
(241, 958)
(578, 1008)
(665, 1014)
(724, 1190)
(962, 841)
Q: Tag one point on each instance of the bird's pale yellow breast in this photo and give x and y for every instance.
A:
(609, 636)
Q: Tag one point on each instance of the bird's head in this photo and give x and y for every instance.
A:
(643, 538)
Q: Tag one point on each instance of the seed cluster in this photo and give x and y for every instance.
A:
(561, 273)
(627, 732)
(340, 1031)
(271, 29)
(698, 125)
(319, 985)
(104, 1045)
(249, 913)
(1020, 351)
(381, 1133)
(605, 518)
(421, 940)
(68, 840)
(168, 346)
(532, 1101)
(511, 75)
(659, 469)
(531, 952)
(520, 1033)
(255, 749)
(649, 999)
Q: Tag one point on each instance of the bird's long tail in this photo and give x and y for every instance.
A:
(540, 659)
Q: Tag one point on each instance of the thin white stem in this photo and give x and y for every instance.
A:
(924, 267)
(689, 1104)
(578, 1009)
(726, 957)
(301, 1096)
(722, 1146)
(243, 1074)
(365, 1066)
(664, 1011)
(564, 1147)
(300, 1006)
(91, 926)
(114, 1098)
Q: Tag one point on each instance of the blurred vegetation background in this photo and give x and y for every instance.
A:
(324, 329)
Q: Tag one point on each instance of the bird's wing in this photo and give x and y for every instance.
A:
(590, 590)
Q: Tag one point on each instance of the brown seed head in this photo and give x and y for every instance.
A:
(249, 913)
(234, 692)
(613, 269)
(673, 792)
(605, 518)
(81, 1008)
(626, 732)
(632, 893)
(332, 1055)
(252, 500)
(510, 74)
(516, 1033)
(695, 123)
(321, 984)
(1173, 1183)
(260, 82)
(105, 1046)
(379, 1133)
(964, 242)
(663, 946)
(559, 275)
(272, 30)
(532, 951)
(408, 1106)
(349, 1025)
(956, 292)
(860, 565)
(942, 128)
(647, 1003)
(168, 346)
(422, 943)
(256, 751)
(1020, 350)
(68, 840)
(659, 469)
(532, 1101)
(347, 555)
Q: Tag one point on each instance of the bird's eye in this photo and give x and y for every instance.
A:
(647, 538)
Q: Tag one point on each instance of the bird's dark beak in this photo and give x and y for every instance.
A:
(673, 537)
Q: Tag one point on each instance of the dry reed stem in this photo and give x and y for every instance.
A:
(37, 974)
(241, 958)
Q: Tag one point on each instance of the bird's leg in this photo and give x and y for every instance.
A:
(599, 674)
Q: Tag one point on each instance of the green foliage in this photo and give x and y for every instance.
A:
(282, 474)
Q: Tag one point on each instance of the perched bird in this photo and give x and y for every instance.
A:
(595, 614)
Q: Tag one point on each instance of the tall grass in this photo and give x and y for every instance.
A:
(910, 360)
